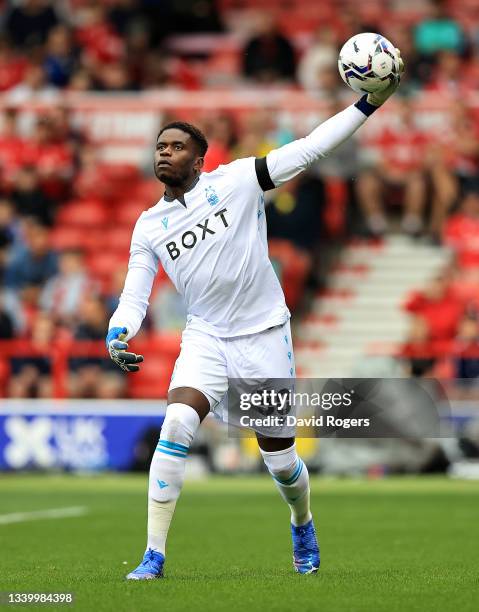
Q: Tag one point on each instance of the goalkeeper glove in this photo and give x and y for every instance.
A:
(117, 349)
(379, 97)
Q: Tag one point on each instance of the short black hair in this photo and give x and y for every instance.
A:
(193, 131)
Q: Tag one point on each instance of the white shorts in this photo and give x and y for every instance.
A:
(207, 362)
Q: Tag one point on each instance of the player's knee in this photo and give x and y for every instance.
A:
(281, 463)
(180, 425)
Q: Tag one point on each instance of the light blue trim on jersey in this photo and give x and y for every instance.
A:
(292, 479)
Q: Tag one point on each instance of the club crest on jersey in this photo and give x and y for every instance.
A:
(164, 222)
(211, 196)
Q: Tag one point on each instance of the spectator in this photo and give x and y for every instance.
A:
(321, 55)
(168, 311)
(397, 174)
(36, 262)
(29, 199)
(222, 138)
(98, 39)
(454, 159)
(7, 329)
(337, 174)
(34, 85)
(60, 56)
(294, 213)
(449, 77)
(81, 80)
(7, 229)
(61, 297)
(439, 31)
(439, 306)
(12, 66)
(94, 377)
(52, 159)
(417, 72)
(116, 284)
(461, 231)
(269, 56)
(11, 148)
(467, 349)
(418, 350)
(138, 48)
(113, 76)
(64, 132)
(31, 375)
(29, 23)
(124, 15)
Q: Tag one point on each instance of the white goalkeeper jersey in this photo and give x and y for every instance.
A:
(213, 245)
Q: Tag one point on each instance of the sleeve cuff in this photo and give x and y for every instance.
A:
(363, 105)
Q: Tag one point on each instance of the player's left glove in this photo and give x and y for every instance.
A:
(117, 349)
(379, 97)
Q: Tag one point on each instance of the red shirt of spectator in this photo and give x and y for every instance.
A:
(216, 155)
(451, 76)
(401, 146)
(459, 140)
(439, 306)
(101, 42)
(461, 232)
(11, 149)
(11, 72)
(12, 67)
(52, 159)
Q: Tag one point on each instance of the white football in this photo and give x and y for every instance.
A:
(368, 62)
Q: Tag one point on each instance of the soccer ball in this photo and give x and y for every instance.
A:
(368, 62)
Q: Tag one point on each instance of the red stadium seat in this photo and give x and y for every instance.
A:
(102, 264)
(128, 213)
(82, 213)
(118, 237)
(153, 379)
(66, 237)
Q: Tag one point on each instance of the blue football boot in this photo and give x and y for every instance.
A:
(305, 549)
(151, 567)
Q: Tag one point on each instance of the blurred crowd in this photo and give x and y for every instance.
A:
(131, 45)
(57, 194)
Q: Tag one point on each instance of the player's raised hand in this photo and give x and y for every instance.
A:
(117, 350)
(379, 97)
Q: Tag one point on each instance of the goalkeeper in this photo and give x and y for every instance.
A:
(209, 233)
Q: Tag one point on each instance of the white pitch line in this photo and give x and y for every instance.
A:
(37, 515)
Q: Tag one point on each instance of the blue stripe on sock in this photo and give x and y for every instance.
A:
(294, 477)
(172, 453)
(173, 445)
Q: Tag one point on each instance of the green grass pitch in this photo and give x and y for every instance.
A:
(393, 545)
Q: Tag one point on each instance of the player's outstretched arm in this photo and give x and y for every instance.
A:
(288, 161)
(128, 317)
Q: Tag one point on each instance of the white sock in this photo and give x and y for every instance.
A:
(167, 471)
(292, 479)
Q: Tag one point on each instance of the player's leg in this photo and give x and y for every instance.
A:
(369, 191)
(414, 203)
(269, 355)
(291, 477)
(199, 381)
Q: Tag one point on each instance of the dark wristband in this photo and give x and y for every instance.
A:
(363, 105)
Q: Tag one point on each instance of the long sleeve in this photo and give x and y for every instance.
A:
(142, 268)
(291, 159)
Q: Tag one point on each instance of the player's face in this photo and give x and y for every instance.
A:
(176, 158)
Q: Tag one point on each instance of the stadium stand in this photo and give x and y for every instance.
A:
(86, 87)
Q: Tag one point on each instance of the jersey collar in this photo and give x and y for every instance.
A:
(181, 199)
